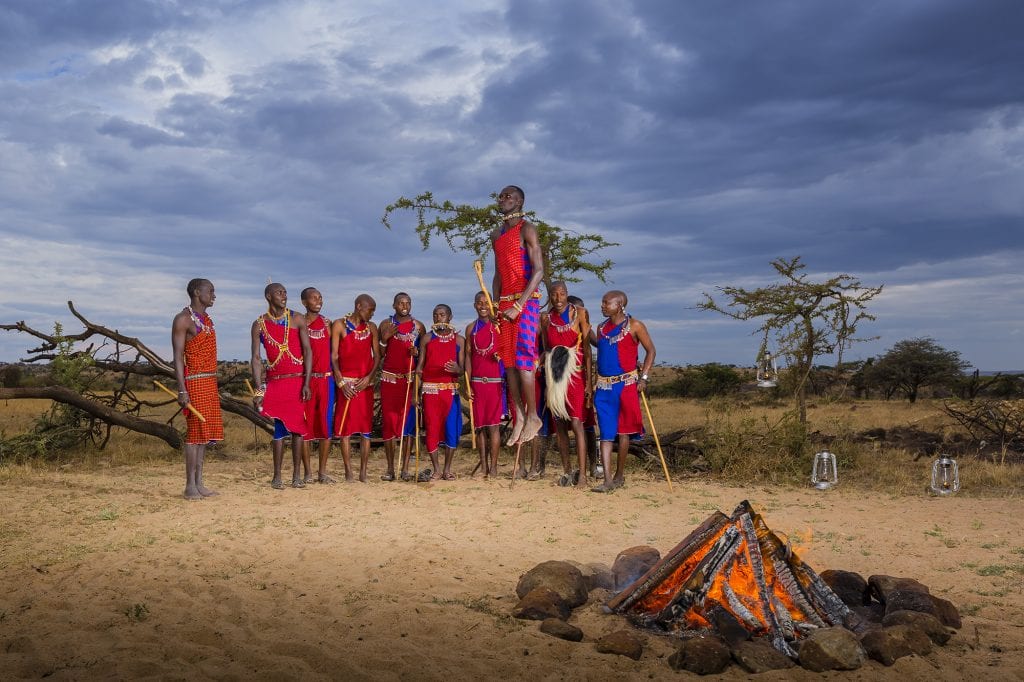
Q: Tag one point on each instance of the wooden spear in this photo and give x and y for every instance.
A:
(657, 442)
(188, 406)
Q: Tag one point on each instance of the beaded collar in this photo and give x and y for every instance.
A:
(406, 337)
(319, 333)
(202, 321)
(490, 346)
(357, 334)
(623, 332)
(282, 347)
(443, 338)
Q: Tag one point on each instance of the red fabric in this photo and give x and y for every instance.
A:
(438, 403)
(576, 393)
(488, 398)
(318, 408)
(355, 360)
(320, 344)
(283, 399)
(201, 358)
(510, 260)
(396, 392)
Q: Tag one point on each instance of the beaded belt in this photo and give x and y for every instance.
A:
(487, 380)
(348, 380)
(319, 375)
(434, 387)
(515, 297)
(284, 376)
(392, 378)
(201, 375)
(607, 382)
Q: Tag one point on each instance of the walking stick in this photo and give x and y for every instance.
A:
(515, 466)
(405, 406)
(416, 410)
(188, 406)
(344, 414)
(252, 394)
(472, 420)
(657, 442)
(478, 265)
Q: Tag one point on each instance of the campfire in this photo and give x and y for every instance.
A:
(736, 578)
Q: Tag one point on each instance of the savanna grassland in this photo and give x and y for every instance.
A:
(110, 574)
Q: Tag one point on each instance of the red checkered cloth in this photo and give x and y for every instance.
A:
(201, 363)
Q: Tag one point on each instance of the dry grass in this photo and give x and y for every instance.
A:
(757, 437)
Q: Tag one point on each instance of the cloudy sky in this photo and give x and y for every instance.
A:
(143, 143)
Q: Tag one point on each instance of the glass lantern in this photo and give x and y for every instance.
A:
(945, 476)
(767, 371)
(824, 474)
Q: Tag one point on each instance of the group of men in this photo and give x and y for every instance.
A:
(318, 378)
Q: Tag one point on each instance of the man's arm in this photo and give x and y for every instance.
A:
(256, 365)
(179, 337)
(387, 330)
(374, 353)
(337, 334)
(307, 355)
(639, 331)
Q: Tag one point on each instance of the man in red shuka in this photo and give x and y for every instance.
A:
(354, 358)
(400, 337)
(319, 409)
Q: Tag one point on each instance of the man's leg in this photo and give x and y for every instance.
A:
(562, 435)
(297, 481)
(620, 465)
(346, 457)
(325, 451)
(528, 385)
(200, 456)
(364, 456)
(581, 451)
(515, 395)
(191, 466)
(449, 455)
(277, 446)
(606, 461)
(307, 474)
(494, 447)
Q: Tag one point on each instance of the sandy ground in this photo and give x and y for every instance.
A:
(110, 574)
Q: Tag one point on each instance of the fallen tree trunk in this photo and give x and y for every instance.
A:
(61, 394)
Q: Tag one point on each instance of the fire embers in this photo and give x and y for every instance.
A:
(735, 577)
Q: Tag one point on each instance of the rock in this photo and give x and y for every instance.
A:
(848, 586)
(541, 603)
(559, 576)
(759, 656)
(915, 638)
(909, 600)
(873, 612)
(925, 622)
(947, 614)
(622, 643)
(633, 563)
(879, 586)
(885, 645)
(834, 648)
(602, 577)
(561, 630)
(701, 655)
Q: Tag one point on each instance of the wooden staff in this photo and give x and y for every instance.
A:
(344, 415)
(416, 410)
(405, 406)
(188, 406)
(515, 466)
(478, 265)
(252, 393)
(657, 442)
(472, 420)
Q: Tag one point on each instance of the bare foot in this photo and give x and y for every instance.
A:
(324, 478)
(581, 484)
(534, 476)
(618, 482)
(603, 488)
(206, 492)
(517, 428)
(192, 493)
(531, 428)
(362, 478)
(349, 478)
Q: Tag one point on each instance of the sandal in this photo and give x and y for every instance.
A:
(406, 476)
(424, 476)
(387, 477)
(563, 481)
(448, 477)
(277, 485)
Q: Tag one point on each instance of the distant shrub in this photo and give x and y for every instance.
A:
(702, 381)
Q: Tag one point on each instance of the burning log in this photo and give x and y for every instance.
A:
(733, 576)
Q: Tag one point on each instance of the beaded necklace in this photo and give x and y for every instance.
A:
(407, 337)
(354, 331)
(319, 333)
(443, 338)
(618, 337)
(570, 325)
(201, 320)
(490, 345)
(282, 347)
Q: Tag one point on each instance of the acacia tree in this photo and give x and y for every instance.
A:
(807, 319)
(468, 228)
(912, 364)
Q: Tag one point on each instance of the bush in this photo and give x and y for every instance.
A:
(756, 448)
(702, 381)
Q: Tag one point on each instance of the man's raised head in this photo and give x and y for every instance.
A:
(193, 285)
(304, 296)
